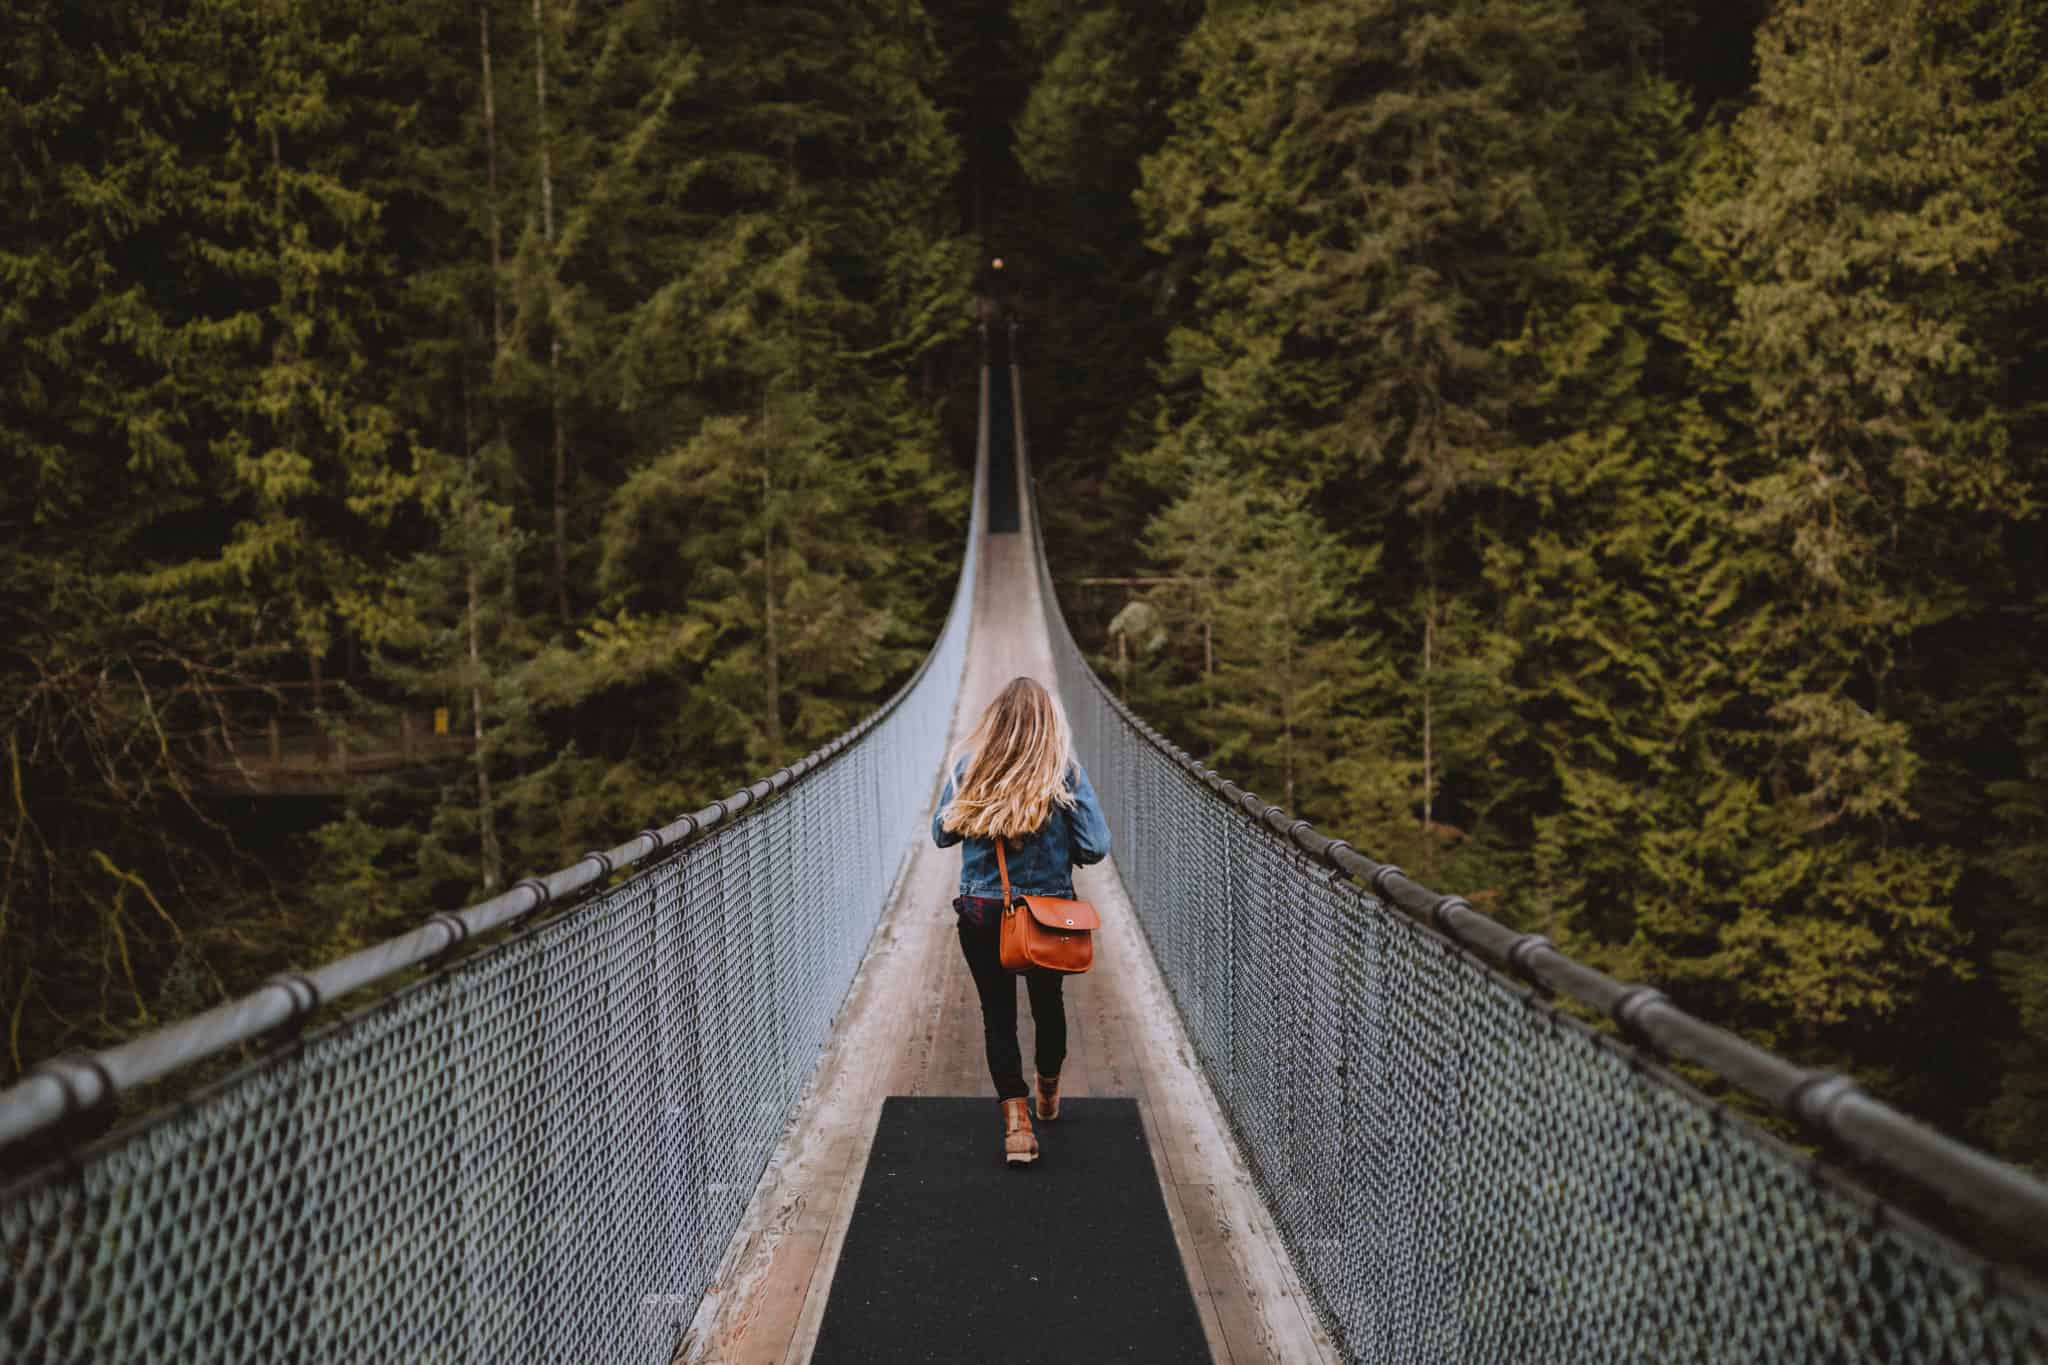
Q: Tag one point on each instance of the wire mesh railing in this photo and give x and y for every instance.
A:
(1463, 1171)
(538, 1152)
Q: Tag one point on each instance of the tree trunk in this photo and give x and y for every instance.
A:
(561, 480)
(487, 821)
(771, 644)
(491, 183)
(540, 87)
(1428, 724)
(1206, 591)
(1287, 758)
(486, 817)
(547, 237)
(1288, 695)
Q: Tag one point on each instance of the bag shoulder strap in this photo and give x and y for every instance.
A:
(1003, 864)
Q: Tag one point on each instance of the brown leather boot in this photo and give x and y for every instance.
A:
(1048, 1098)
(1020, 1144)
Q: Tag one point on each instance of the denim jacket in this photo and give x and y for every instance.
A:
(1042, 863)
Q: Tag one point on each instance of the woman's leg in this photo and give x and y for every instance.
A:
(1049, 1015)
(980, 945)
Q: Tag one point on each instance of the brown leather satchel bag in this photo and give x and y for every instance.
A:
(1044, 931)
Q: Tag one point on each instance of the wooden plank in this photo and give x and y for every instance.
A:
(1246, 1321)
(959, 1065)
(759, 1299)
(767, 1319)
(919, 1004)
(1077, 1075)
(1233, 1246)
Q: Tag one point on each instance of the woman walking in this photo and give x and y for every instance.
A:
(1017, 780)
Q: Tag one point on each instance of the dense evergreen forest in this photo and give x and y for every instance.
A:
(1593, 459)
(1586, 451)
(546, 394)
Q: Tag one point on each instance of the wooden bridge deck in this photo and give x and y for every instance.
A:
(911, 1026)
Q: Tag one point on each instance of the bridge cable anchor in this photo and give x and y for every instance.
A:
(1627, 1013)
(1517, 959)
(1813, 1100)
(304, 997)
(458, 934)
(89, 1110)
(1440, 913)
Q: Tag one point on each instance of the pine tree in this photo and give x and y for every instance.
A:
(1377, 281)
(1867, 234)
(1104, 77)
(1258, 598)
(210, 456)
(338, 335)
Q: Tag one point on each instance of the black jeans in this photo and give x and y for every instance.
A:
(980, 935)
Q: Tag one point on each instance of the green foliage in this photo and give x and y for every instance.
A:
(1587, 449)
(1668, 423)
(1257, 607)
(552, 367)
(1103, 77)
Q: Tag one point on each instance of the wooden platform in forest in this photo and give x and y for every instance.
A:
(303, 757)
(911, 1026)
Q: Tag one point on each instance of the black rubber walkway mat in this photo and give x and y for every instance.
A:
(1002, 455)
(953, 1256)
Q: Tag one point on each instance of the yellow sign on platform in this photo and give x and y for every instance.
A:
(440, 720)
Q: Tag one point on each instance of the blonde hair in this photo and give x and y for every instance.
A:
(1021, 751)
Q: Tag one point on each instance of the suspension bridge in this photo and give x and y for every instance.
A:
(632, 1111)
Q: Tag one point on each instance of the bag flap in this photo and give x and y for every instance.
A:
(1055, 913)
